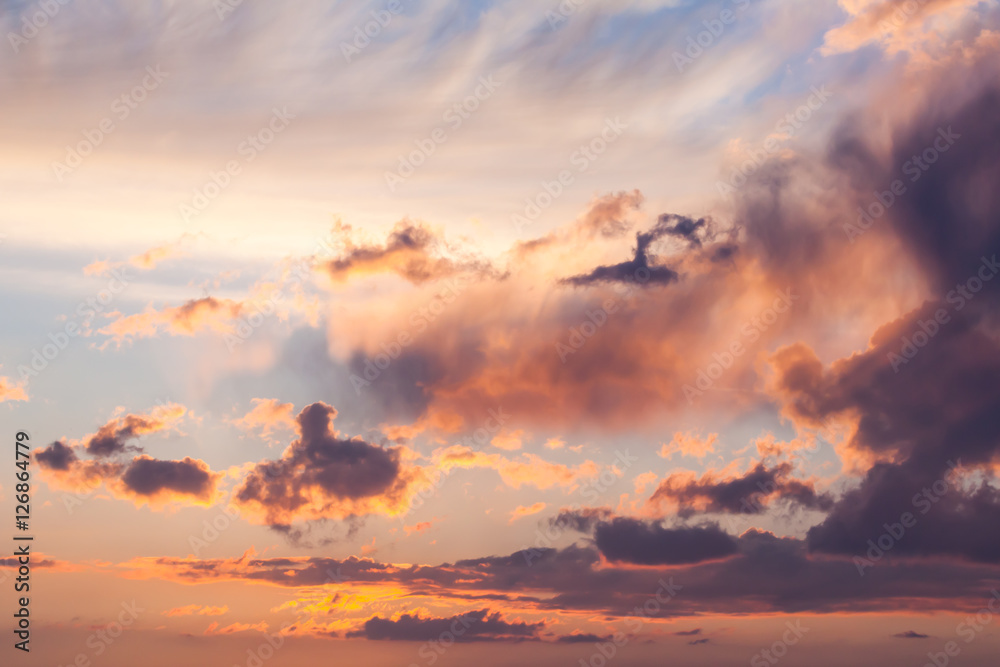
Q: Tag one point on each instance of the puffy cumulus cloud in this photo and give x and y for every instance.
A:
(897, 25)
(625, 540)
(113, 437)
(689, 444)
(143, 479)
(267, 416)
(925, 427)
(61, 468)
(526, 470)
(412, 251)
(472, 626)
(57, 456)
(321, 475)
(508, 440)
(151, 480)
(749, 493)
(9, 391)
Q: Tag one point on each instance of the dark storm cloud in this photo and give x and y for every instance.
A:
(748, 494)
(582, 520)
(910, 634)
(472, 626)
(937, 411)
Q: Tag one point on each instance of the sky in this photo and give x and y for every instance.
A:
(426, 332)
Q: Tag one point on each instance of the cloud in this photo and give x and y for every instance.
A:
(508, 440)
(411, 251)
(643, 543)
(522, 511)
(112, 438)
(145, 261)
(146, 478)
(322, 475)
(750, 493)
(898, 25)
(143, 479)
(527, 470)
(689, 444)
(766, 574)
(194, 316)
(234, 628)
(267, 416)
(639, 269)
(11, 392)
(57, 456)
(910, 634)
(473, 626)
(200, 610)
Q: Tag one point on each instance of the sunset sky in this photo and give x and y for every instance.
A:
(502, 332)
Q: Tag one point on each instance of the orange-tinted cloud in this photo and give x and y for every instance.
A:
(411, 251)
(10, 391)
(267, 416)
(322, 475)
(689, 444)
(198, 609)
(522, 511)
